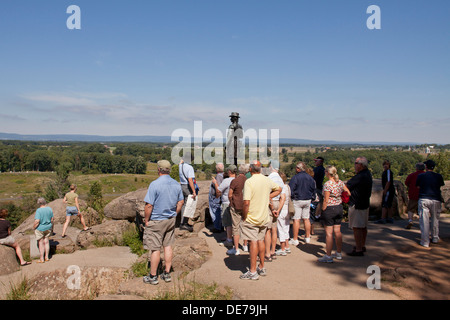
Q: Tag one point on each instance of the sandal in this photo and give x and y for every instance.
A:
(40, 261)
(268, 259)
(27, 263)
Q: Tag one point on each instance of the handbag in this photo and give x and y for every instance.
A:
(345, 197)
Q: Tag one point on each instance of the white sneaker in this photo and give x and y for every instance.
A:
(307, 240)
(337, 255)
(245, 248)
(281, 252)
(249, 276)
(293, 242)
(233, 251)
(326, 259)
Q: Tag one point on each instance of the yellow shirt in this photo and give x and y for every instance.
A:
(257, 189)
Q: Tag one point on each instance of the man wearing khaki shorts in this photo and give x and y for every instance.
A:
(360, 187)
(163, 202)
(258, 190)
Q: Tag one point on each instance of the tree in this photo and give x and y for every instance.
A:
(57, 188)
(95, 197)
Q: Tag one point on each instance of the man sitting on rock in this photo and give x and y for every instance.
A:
(163, 202)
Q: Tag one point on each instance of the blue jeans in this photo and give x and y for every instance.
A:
(216, 215)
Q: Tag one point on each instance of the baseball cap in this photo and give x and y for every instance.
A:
(164, 164)
(430, 164)
(319, 158)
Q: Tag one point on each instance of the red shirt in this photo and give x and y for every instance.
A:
(410, 182)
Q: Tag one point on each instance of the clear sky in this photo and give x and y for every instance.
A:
(147, 67)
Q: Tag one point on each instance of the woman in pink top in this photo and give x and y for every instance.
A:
(332, 213)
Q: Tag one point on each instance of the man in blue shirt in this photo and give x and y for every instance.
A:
(430, 198)
(163, 202)
(303, 189)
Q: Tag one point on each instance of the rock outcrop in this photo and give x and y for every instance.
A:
(126, 206)
(8, 261)
(85, 283)
(400, 199)
(109, 232)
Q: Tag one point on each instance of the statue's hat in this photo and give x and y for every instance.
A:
(234, 114)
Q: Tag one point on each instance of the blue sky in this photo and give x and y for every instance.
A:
(309, 68)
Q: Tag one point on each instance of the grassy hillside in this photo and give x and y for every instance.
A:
(16, 186)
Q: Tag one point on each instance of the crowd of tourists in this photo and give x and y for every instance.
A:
(261, 214)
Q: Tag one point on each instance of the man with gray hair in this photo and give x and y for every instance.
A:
(360, 187)
(303, 189)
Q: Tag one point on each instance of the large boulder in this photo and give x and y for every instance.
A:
(110, 232)
(85, 283)
(400, 199)
(126, 206)
(190, 253)
(59, 213)
(8, 261)
(131, 205)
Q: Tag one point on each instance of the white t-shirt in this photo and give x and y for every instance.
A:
(275, 177)
(224, 188)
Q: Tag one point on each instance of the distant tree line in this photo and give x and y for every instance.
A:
(132, 158)
(402, 162)
(22, 156)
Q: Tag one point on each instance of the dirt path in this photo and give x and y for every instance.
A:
(299, 276)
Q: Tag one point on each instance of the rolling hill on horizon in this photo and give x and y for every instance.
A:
(168, 139)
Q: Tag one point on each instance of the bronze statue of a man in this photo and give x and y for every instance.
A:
(234, 134)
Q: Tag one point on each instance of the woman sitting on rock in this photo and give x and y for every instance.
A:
(6, 238)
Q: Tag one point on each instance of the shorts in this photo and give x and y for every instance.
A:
(159, 233)
(71, 211)
(42, 234)
(302, 208)
(413, 205)
(358, 218)
(8, 241)
(332, 216)
(388, 199)
(236, 219)
(253, 232)
(226, 215)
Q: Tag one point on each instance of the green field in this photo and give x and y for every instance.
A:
(15, 186)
